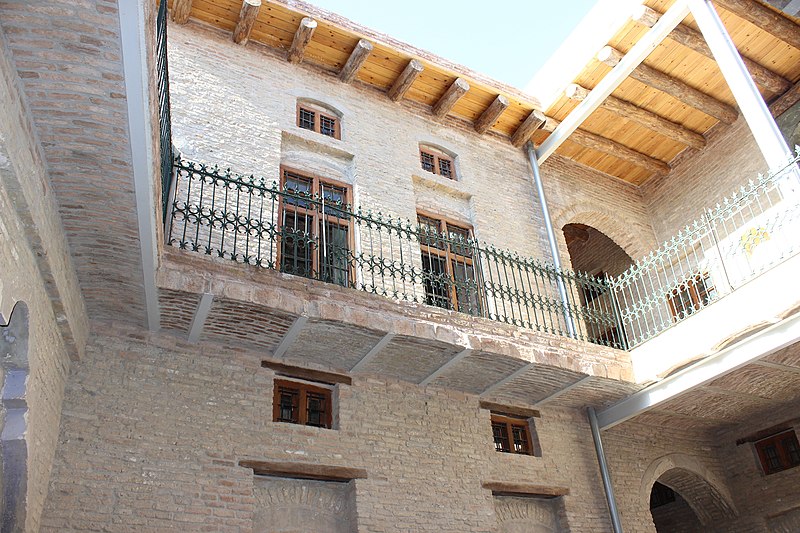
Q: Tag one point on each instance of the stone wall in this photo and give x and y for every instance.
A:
(35, 268)
(154, 428)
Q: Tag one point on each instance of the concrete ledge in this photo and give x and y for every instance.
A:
(197, 274)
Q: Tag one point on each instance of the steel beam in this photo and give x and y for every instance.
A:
(373, 352)
(618, 74)
(200, 316)
(765, 342)
(449, 364)
(135, 70)
(291, 335)
(755, 111)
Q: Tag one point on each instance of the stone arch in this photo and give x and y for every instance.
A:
(606, 221)
(13, 438)
(705, 493)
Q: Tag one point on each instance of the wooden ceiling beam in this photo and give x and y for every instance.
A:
(356, 60)
(247, 19)
(181, 10)
(491, 114)
(641, 116)
(674, 87)
(523, 133)
(766, 19)
(607, 146)
(301, 39)
(452, 95)
(405, 80)
(786, 100)
(693, 39)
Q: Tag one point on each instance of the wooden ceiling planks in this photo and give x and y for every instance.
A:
(335, 39)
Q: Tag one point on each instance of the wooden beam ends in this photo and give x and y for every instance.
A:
(301, 39)
(181, 10)
(642, 117)
(405, 80)
(676, 88)
(491, 114)
(693, 39)
(247, 19)
(356, 60)
(534, 121)
(607, 146)
(452, 95)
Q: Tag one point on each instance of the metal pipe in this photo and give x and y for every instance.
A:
(551, 236)
(601, 460)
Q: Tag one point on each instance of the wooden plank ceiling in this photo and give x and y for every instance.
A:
(666, 106)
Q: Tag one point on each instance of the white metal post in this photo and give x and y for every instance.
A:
(768, 137)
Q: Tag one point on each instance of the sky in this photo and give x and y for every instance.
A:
(508, 40)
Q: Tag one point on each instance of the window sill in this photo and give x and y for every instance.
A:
(319, 142)
(445, 185)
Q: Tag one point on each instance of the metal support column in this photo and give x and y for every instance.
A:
(601, 459)
(768, 137)
(551, 237)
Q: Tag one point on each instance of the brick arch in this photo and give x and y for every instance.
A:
(607, 222)
(705, 493)
(14, 435)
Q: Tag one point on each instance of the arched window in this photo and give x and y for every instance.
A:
(319, 117)
(435, 160)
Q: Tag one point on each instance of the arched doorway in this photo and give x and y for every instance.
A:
(593, 252)
(685, 497)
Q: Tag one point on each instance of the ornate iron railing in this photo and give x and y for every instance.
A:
(747, 233)
(314, 234)
(165, 121)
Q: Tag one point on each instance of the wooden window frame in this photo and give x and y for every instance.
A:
(319, 112)
(779, 441)
(696, 296)
(508, 424)
(316, 217)
(438, 156)
(449, 256)
(303, 390)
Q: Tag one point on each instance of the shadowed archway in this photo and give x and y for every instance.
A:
(13, 438)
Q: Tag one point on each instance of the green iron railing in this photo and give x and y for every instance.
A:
(315, 234)
(165, 122)
(745, 234)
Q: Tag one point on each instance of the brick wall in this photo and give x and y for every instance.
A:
(35, 268)
(730, 160)
(154, 427)
(235, 107)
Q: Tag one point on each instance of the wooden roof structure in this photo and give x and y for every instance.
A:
(668, 105)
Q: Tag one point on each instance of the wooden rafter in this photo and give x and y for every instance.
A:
(491, 114)
(405, 80)
(787, 100)
(452, 95)
(301, 39)
(766, 19)
(356, 60)
(694, 40)
(181, 10)
(535, 120)
(247, 19)
(674, 87)
(643, 117)
(607, 146)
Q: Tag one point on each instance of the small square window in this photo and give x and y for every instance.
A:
(778, 452)
(436, 162)
(300, 403)
(318, 121)
(306, 119)
(511, 435)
